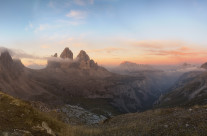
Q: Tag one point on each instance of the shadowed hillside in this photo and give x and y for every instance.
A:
(19, 118)
(190, 89)
(66, 78)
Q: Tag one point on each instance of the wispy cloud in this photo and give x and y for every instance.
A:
(45, 46)
(42, 27)
(69, 23)
(183, 51)
(51, 4)
(77, 14)
(108, 50)
(59, 5)
(17, 53)
(83, 2)
(34, 63)
(29, 26)
(165, 47)
(154, 43)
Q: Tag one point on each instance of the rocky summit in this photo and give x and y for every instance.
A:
(204, 65)
(64, 79)
(85, 62)
(67, 53)
(83, 56)
(5, 58)
(82, 61)
(55, 55)
(81, 93)
(8, 65)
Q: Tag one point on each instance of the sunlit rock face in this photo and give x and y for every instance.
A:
(83, 56)
(81, 78)
(65, 60)
(67, 53)
(84, 61)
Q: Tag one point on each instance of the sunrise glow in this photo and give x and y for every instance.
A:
(111, 31)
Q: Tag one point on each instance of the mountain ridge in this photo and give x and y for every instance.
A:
(65, 78)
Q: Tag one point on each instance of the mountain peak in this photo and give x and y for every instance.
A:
(204, 65)
(5, 57)
(55, 55)
(83, 56)
(126, 63)
(67, 53)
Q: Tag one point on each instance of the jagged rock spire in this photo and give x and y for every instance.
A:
(55, 55)
(204, 65)
(67, 53)
(83, 56)
(5, 58)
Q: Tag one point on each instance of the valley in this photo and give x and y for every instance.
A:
(77, 95)
(103, 68)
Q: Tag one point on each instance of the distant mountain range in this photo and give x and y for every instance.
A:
(130, 87)
(128, 67)
(190, 89)
(65, 79)
(78, 91)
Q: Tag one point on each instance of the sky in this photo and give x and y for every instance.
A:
(110, 31)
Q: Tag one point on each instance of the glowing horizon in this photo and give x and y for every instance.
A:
(110, 31)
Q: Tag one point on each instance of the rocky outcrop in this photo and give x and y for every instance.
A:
(189, 90)
(47, 128)
(85, 61)
(55, 55)
(128, 68)
(74, 78)
(204, 65)
(83, 56)
(67, 53)
(82, 61)
(81, 115)
(6, 60)
(10, 65)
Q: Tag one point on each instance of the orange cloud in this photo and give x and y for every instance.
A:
(28, 62)
(114, 51)
(154, 43)
(170, 52)
(45, 46)
(108, 50)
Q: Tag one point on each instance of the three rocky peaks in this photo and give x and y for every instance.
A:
(65, 60)
(82, 61)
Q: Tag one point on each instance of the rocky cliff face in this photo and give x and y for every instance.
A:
(6, 60)
(55, 55)
(190, 89)
(204, 65)
(10, 66)
(15, 79)
(82, 61)
(83, 56)
(127, 68)
(80, 78)
(67, 54)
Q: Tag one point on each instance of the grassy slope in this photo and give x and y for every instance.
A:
(161, 122)
(17, 114)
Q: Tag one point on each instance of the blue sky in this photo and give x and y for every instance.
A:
(141, 29)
